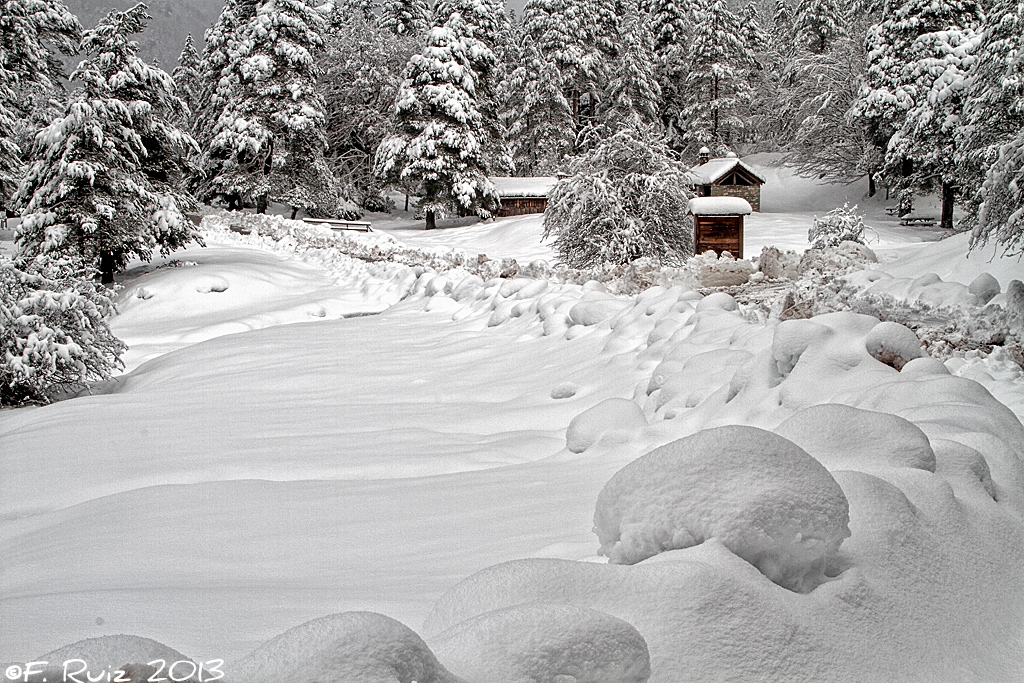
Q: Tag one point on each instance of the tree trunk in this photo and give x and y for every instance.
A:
(261, 204)
(106, 268)
(714, 96)
(948, 199)
(295, 212)
(871, 184)
(431, 224)
(406, 202)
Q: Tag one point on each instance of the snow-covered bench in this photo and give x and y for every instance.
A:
(924, 221)
(340, 224)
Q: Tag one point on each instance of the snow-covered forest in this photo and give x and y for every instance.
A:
(466, 447)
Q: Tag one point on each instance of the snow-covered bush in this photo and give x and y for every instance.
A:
(351, 646)
(761, 495)
(545, 642)
(625, 200)
(53, 332)
(841, 224)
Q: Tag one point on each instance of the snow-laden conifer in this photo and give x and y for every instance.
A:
(103, 178)
(992, 140)
(818, 23)
(268, 141)
(437, 144)
(632, 98)
(915, 91)
(54, 334)
(670, 21)
(27, 63)
(405, 17)
(718, 57)
(625, 200)
(187, 79)
(539, 117)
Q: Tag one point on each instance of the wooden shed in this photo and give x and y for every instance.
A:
(521, 196)
(718, 224)
(727, 177)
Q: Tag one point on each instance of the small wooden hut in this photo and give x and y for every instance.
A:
(727, 177)
(718, 224)
(521, 196)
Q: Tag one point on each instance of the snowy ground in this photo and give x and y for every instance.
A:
(274, 454)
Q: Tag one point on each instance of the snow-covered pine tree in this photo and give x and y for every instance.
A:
(54, 334)
(27, 30)
(579, 38)
(993, 137)
(437, 143)
(625, 200)
(718, 57)
(782, 22)
(539, 116)
(753, 33)
(187, 79)
(405, 17)
(361, 69)
(224, 46)
(670, 22)
(915, 87)
(818, 23)
(101, 183)
(340, 11)
(268, 141)
(632, 98)
(487, 22)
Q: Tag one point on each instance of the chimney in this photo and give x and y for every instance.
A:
(703, 156)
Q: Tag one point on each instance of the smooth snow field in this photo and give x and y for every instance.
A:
(408, 467)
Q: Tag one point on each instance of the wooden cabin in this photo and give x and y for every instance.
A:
(727, 177)
(718, 224)
(521, 196)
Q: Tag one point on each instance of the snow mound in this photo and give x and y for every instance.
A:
(614, 417)
(564, 390)
(712, 270)
(363, 647)
(841, 438)
(126, 653)
(762, 496)
(893, 344)
(210, 283)
(544, 642)
(984, 287)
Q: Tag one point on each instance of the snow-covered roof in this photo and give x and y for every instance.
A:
(718, 206)
(534, 186)
(709, 172)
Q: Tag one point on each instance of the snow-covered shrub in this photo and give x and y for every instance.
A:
(760, 495)
(610, 414)
(625, 200)
(53, 332)
(131, 655)
(845, 438)
(893, 344)
(352, 646)
(841, 224)
(776, 264)
(545, 642)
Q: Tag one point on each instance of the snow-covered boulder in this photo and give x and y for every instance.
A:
(1015, 301)
(107, 655)
(610, 414)
(984, 287)
(717, 300)
(893, 344)
(363, 647)
(759, 494)
(544, 643)
(845, 438)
